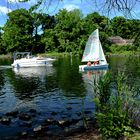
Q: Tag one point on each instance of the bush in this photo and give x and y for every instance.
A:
(113, 115)
(114, 123)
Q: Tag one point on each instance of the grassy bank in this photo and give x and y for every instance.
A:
(6, 56)
(56, 54)
(62, 54)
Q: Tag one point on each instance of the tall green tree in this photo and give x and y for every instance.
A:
(135, 23)
(2, 49)
(18, 31)
(95, 20)
(64, 36)
(41, 22)
(67, 30)
(122, 27)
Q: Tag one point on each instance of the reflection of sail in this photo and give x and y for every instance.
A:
(34, 71)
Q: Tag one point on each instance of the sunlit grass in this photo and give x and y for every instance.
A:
(7, 56)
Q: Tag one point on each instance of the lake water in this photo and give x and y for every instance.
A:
(58, 92)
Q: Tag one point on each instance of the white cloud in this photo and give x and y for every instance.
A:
(75, 2)
(18, 1)
(70, 7)
(12, 1)
(4, 10)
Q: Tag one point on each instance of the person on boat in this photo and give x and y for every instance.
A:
(96, 63)
(89, 63)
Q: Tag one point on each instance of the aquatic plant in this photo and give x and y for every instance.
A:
(117, 106)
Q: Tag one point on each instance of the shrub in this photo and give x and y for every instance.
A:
(113, 115)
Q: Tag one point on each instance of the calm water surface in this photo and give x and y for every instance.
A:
(57, 92)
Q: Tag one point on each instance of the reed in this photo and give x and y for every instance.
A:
(117, 107)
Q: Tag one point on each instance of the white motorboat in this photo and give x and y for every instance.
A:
(25, 59)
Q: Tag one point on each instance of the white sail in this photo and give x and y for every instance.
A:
(93, 50)
(102, 58)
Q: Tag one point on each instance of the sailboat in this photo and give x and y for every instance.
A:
(94, 53)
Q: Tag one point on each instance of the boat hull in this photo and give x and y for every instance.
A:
(93, 67)
(32, 63)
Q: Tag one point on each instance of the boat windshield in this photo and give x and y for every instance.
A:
(19, 55)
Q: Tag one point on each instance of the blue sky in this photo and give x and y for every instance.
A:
(86, 6)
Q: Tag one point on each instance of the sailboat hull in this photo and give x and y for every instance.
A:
(93, 67)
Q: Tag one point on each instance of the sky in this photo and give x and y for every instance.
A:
(52, 7)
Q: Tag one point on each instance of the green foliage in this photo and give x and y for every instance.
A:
(18, 31)
(72, 31)
(102, 90)
(67, 31)
(64, 36)
(2, 49)
(122, 27)
(114, 114)
(122, 48)
(114, 124)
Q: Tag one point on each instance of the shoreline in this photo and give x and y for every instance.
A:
(90, 133)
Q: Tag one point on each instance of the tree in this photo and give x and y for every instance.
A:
(95, 20)
(18, 31)
(136, 33)
(64, 36)
(2, 49)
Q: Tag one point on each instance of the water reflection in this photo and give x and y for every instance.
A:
(30, 82)
(93, 76)
(40, 72)
(69, 79)
(91, 79)
(1, 80)
(129, 65)
(61, 90)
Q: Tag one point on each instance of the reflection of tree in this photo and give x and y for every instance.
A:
(1, 79)
(94, 81)
(29, 83)
(51, 83)
(25, 87)
(69, 79)
(129, 65)
(132, 63)
(5, 61)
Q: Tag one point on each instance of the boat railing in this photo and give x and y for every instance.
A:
(19, 55)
